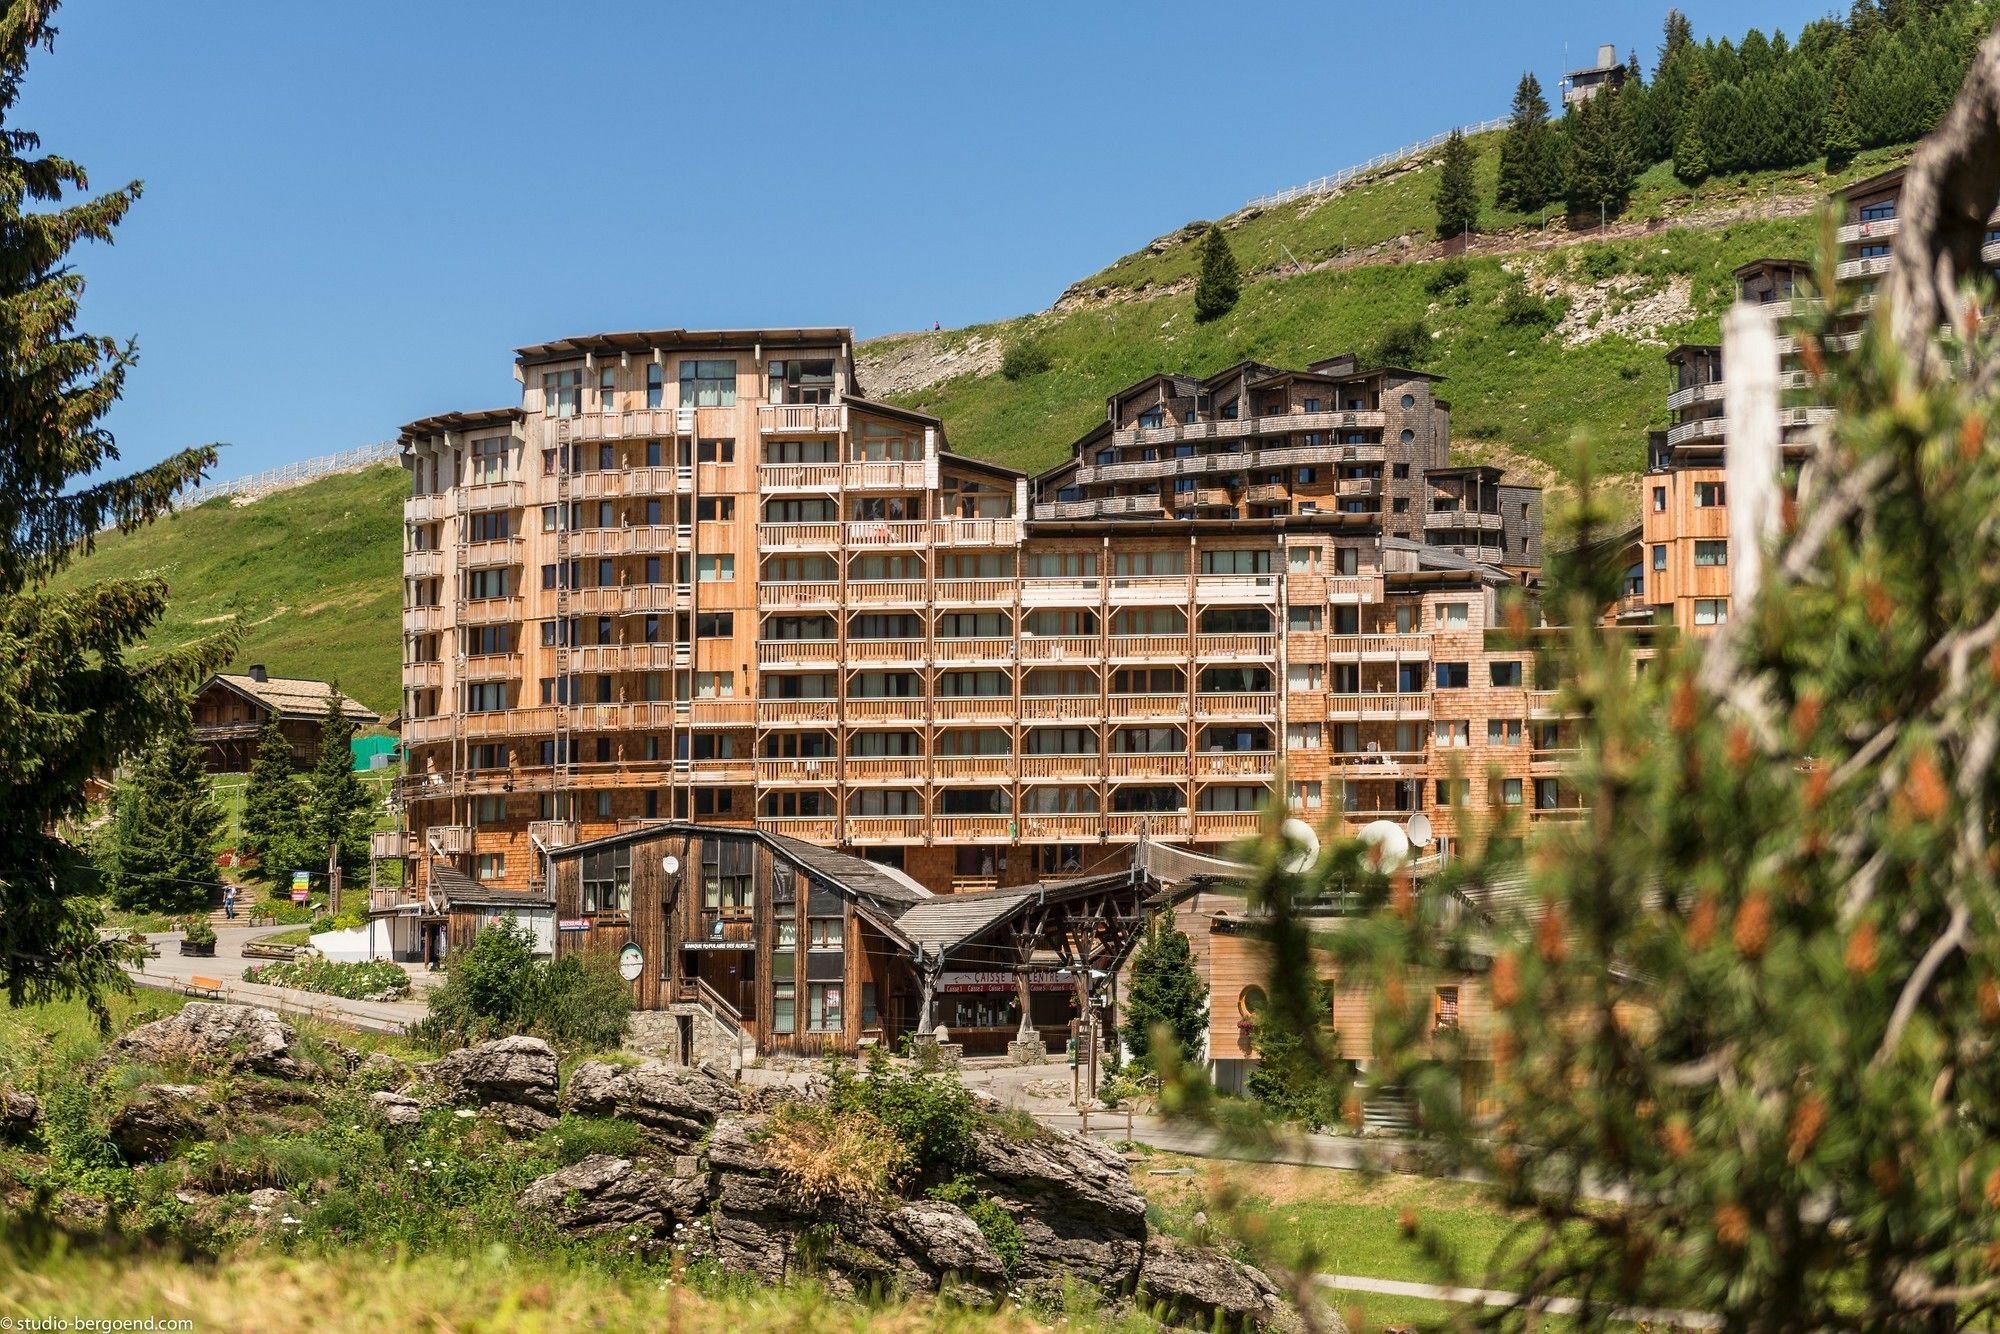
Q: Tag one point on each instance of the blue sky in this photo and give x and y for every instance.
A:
(354, 212)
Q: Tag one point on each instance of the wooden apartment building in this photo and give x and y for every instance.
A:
(702, 577)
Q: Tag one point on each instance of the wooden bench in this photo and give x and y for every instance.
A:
(204, 986)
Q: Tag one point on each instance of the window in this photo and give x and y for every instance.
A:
(714, 624)
(1450, 790)
(485, 697)
(715, 569)
(1507, 674)
(490, 866)
(823, 1000)
(1452, 676)
(715, 451)
(1510, 792)
(607, 879)
(708, 384)
(1306, 795)
(1548, 795)
(1409, 400)
(1503, 731)
(655, 384)
(1146, 564)
(1303, 736)
(1711, 611)
(1708, 495)
(1660, 558)
(1302, 560)
(715, 509)
(1236, 561)
(1711, 552)
(489, 810)
(1452, 615)
(714, 685)
(607, 390)
(1246, 797)
(562, 393)
(489, 460)
(1303, 676)
(1452, 734)
(1304, 620)
(1659, 500)
(1399, 471)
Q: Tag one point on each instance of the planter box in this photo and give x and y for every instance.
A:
(192, 950)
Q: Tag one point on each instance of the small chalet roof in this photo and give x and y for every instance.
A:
(1485, 470)
(1443, 559)
(943, 923)
(857, 874)
(1681, 351)
(1870, 184)
(294, 696)
(460, 888)
(1770, 262)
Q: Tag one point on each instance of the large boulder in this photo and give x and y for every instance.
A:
(515, 1071)
(159, 1117)
(674, 1105)
(603, 1194)
(396, 1109)
(1199, 1282)
(1074, 1199)
(242, 1037)
(20, 1114)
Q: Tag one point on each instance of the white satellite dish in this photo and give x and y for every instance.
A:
(1418, 827)
(670, 863)
(1388, 846)
(1301, 846)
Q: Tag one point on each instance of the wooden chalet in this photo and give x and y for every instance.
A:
(230, 711)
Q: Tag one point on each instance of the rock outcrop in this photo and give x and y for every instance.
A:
(20, 1114)
(513, 1078)
(673, 1105)
(396, 1109)
(1079, 1212)
(603, 1194)
(158, 1117)
(1203, 1281)
(240, 1037)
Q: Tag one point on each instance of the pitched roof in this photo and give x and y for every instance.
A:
(295, 696)
(944, 922)
(460, 888)
(858, 874)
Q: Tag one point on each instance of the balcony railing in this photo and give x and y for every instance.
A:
(973, 650)
(1363, 765)
(1059, 648)
(644, 424)
(810, 828)
(1382, 704)
(1235, 763)
(888, 650)
(1235, 706)
(428, 508)
(974, 592)
(1461, 520)
(888, 592)
(423, 675)
(389, 845)
(450, 840)
(1227, 824)
(490, 496)
(1237, 427)
(1866, 267)
(1136, 588)
(1877, 229)
(1708, 392)
(424, 620)
(552, 833)
(1127, 825)
(1102, 507)
(1236, 588)
(1348, 589)
(1046, 708)
(1144, 708)
(1236, 646)
(1378, 648)
(790, 652)
(794, 712)
(867, 828)
(722, 712)
(1171, 764)
(1062, 592)
(884, 709)
(969, 708)
(799, 477)
(1702, 428)
(902, 475)
(950, 767)
(798, 536)
(490, 611)
(776, 596)
(884, 768)
(593, 658)
(1085, 764)
(424, 731)
(972, 828)
(423, 564)
(1089, 826)
(802, 418)
(796, 769)
(493, 667)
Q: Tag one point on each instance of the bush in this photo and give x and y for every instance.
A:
(829, 1152)
(930, 1113)
(1448, 275)
(197, 931)
(1406, 344)
(1522, 309)
(1025, 358)
(355, 981)
(575, 1138)
(497, 987)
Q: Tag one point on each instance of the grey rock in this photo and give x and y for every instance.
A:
(603, 1194)
(1200, 1282)
(20, 1113)
(270, 1207)
(1074, 1200)
(521, 1122)
(243, 1037)
(519, 1070)
(396, 1109)
(948, 1241)
(157, 1118)
(674, 1105)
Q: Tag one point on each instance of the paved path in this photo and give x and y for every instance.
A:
(172, 971)
(1391, 1287)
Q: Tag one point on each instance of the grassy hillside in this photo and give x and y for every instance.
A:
(312, 574)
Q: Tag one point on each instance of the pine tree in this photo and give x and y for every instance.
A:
(1839, 137)
(164, 836)
(1294, 1078)
(1457, 197)
(338, 810)
(73, 703)
(1221, 282)
(1522, 185)
(272, 802)
(1601, 166)
(1166, 991)
(1690, 149)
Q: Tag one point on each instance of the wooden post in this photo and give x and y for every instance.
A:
(333, 878)
(1750, 406)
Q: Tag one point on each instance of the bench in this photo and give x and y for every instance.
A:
(204, 986)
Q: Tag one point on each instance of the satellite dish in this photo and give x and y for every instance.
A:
(670, 863)
(1388, 846)
(1418, 827)
(1301, 846)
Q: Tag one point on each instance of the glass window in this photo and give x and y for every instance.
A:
(823, 1000)
(656, 377)
(1714, 551)
(562, 393)
(708, 384)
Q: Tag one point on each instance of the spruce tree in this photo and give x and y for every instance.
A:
(1166, 992)
(1220, 282)
(73, 701)
(1457, 197)
(1601, 167)
(338, 810)
(164, 836)
(1690, 149)
(271, 803)
(1530, 153)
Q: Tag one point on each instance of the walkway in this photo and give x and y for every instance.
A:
(1437, 1292)
(172, 971)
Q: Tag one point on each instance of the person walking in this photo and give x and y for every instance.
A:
(229, 902)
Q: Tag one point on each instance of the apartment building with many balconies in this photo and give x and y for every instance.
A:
(700, 576)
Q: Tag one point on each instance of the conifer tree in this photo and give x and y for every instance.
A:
(1220, 281)
(162, 855)
(1166, 992)
(1601, 168)
(337, 810)
(1690, 149)
(1838, 133)
(1530, 160)
(73, 702)
(272, 802)
(1457, 197)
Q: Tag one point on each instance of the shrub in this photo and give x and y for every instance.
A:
(1025, 358)
(1407, 344)
(498, 987)
(1522, 309)
(930, 1113)
(197, 931)
(1453, 273)
(355, 981)
(1598, 262)
(829, 1152)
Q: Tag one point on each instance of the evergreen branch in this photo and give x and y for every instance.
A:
(1952, 939)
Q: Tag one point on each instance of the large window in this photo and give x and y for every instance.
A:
(1711, 611)
(1708, 495)
(1062, 565)
(708, 384)
(655, 385)
(1246, 561)
(823, 1001)
(562, 393)
(1713, 551)
(728, 882)
(489, 460)
(607, 880)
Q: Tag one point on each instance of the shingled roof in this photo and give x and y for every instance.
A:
(294, 696)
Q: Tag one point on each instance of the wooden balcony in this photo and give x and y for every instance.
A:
(1084, 764)
(903, 475)
(780, 597)
(1379, 705)
(1148, 708)
(490, 611)
(1868, 266)
(1709, 391)
(1360, 766)
(428, 508)
(1126, 826)
(971, 708)
(811, 477)
(949, 593)
(595, 658)
(884, 768)
(653, 598)
(798, 536)
(1236, 588)
(426, 620)
(797, 652)
(1236, 647)
(886, 533)
(1379, 648)
(613, 717)
(810, 770)
(721, 712)
(646, 423)
(975, 532)
(912, 594)
(797, 712)
(1061, 708)
(490, 496)
(1700, 430)
(423, 564)
(1235, 763)
(1168, 764)
(802, 418)
(1227, 824)
(1135, 589)
(449, 840)
(539, 720)
(972, 828)
(1240, 427)
(425, 731)
(1062, 592)
(1351, 589)
(885, 828)
(1877, 229)
(952, 768)
(552, 833)
(1100, 508)
(493, 667)
(893, 709)
(1068, 828)
(1147, 648)
(1058, 648)
(390, 845)
(903, 652)
(498, 551)
(822, 829)
(995, 651)
(1236, 706)
(1542, 704)
(1461, 521)
(423, 675)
